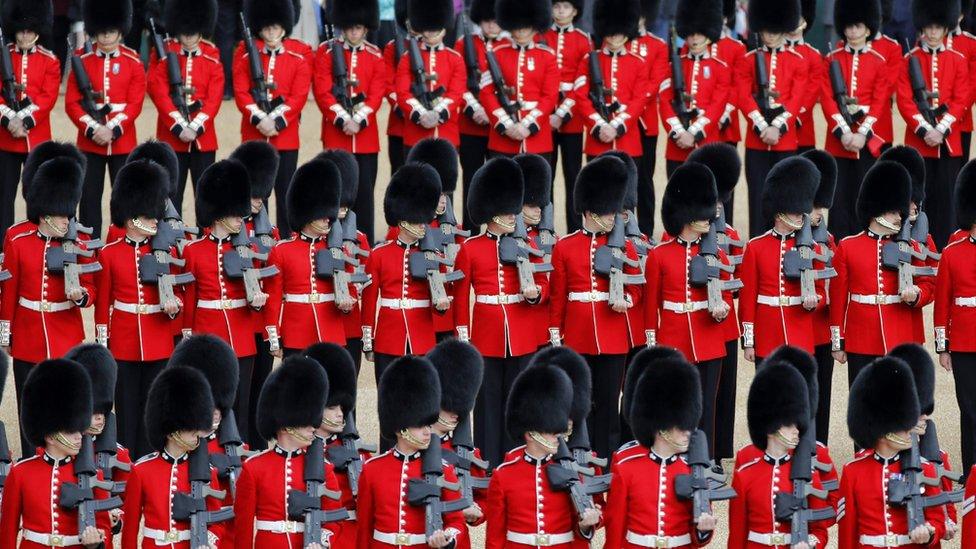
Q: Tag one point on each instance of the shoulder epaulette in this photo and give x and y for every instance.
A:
(374, 458)
(25, 460)
(296, 54)
(21, 235)
(852, 236)
(630, 458)
(545, 47)
(501, 45)
(951, 244)
(581, 31)
(257, 455)
(878, 53)
(512, 461)
(147, 457)
(794, 52)
(748, 464)
(46, 52)
(626, 446)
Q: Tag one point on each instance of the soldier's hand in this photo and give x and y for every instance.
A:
(92, 537)
(171, 307)
(810, 302)
(15, 126)
(259, 300)
(473, 513)
(910, 295)
(555, 121)
(438, 539)
(351, 127)
(721, 312)
(685, 140)
(945, 360)
(429, 120)
(115, 515)
(846, 140)
(266, 126)
(102, 136)
(921, 534)
(607, 133)
(531, 293)
(951, 529)
(839, 356)
(76, 294)
(187, 135)
(621, 306)
(346, 305)
(770, 136)
(590, 518)
(934, 138)
(512, 132)
(442, 304)
(749, 354)
(706, 523)
(857, 142)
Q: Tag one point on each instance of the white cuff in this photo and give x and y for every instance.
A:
(101, 334)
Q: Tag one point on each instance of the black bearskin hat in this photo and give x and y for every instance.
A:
(699, 17)
(190, 17)
(400, 13)
(32, 15)
(808, 10)
(615, 17)
(481, 11)
(55, 189)
(412, 195)
(965, 196)
(601, 186)
(539, 401)
(217, 362)
(882, 400)
(340, 370)
(630, 197)
(723, 161)
(409, 395)
(887, 187)
(519, 14)
(576, 368)
(923, 370)
(179, 400)
(650, 9)
(264, 13)
(851, 12)
(349, 13)
(643, 360)
(777, 16)
(313, 194)
(430, 15)
(496, 189)
(44, 152)
(140, 189)
(294, 395)
(223, 191)
(944, 13)
(261, 161)
(729, 9)
(537, 176)
(57, 398)
(804, 363)
(827, 166)
(107, 15)
(790, 186)
(442, 156)
(668, 394)
(777, 398)
(348, 169)
(915, 164)
(102, 370)
(886, 9)
(690, 195)
(161, 153)
(460, 368)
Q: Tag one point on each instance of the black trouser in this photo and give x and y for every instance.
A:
(394, 151)
(646, 199)
(225, 36)
(603, 422)
(287, 163)
(10, 164)
(725, 402)
(131, 391)
(57, 42)
(571, 147)
(354, 345)
(670, 166)
(263, 362)
(190, 164)
(364, 207)
(856, 363)
(842, 219)
(731, 201)
(490, 434)
(825, 378)
(380, 363)
(243, 402)
(967, 141)
(758, 164)
(21, 369)
(964, 374)
(473, 152)
(711, 372)
(90, 211)
(940, 185)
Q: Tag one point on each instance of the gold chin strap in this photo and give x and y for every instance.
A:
(673, 443)
(531, 219)
(143, 227)
(294, 432)
(788, 442)
(404, 226)
(606, 227)
(446, 423)
(789, 222)
(57, 230)
(543, 442)
(320, 227)
(186, 446)
(887, 224)
(405, 434)
(700, 226)
(63, 441)
(897, 440)
(503, 224)
(92, 430)
(326, 422)
(228, 227)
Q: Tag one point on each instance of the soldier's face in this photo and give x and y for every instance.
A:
(531, 214)
(190, 41)
(490, 29)
(856, 34)
(615, 41)
(232, 224)
(893, 217)
(217, 417)
(771, 39)
(26, 38)
(144, 226)
(697, 42)
(503, 224)
(256, 205)
(913, 211)
(442, 204)
(563, 12)
(57, 223)
(343, 211)
(272, 34)
(523, 36)
(418, 437)
(817, 217)
(332, 420)
(97, 424)
(433, 37)
(355, 34)
(934, 35)
(108, 39)
(922, 425)
(318, 227)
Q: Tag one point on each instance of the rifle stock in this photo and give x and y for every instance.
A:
(698, 485)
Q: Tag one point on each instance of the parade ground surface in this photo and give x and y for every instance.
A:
(228, 128)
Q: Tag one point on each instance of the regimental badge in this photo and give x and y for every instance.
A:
(531, 64)
(116, 68)
(707, 73)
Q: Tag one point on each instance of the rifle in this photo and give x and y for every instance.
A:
(228, 464)
(239, 264)
(908, 490)
(341, 84)
(471, 65)
(5, 459)
(89, 97)
(564, 475)
(611, 259)
(502, 90)
(193, 506)
(898, 255)
(260, 87)
(173, 227)
(794, 507)
(681, 98)
(579, 446)
(447, 223)
(600, 93)
(822, 236)
(514, 249)
(64, 260)
(920, 234)
(419, 87)
(636, 237)
(10, 87)
(4, 275)
(724, 241)
(331, 261)
(547, 230)
(463, 458)
(80, 496)
(154, 268)
(703, 485)
(106, 449)
(426, 264)
(922, 96)
(350, 239)
(426, 492)
(763, 96)
(345, 457)
(263, 238)
(798, 262)
(931, 451)
(307, 505)
(706, 270)
(178, 90)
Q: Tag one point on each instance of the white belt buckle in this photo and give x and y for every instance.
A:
(402, 538)
(403, 303)
(777, 539)
(143, 309)
(314, 297)
(891, 540)
(880, 299)
(784, 300)
(225, 304)
(661, 541)
(46, 307)
(172, 535)
(542, 540)
(688, 307)
(289, 526)
(56, 540)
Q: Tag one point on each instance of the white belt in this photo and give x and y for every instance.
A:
(539, 540)
(589, 297)
(686, 307)
(279, 526)
(779, 300)
(51, 540)
(658, 541)
(404, 304)
(45, 306)
(169, 537)
(502, 299)
(891, 540)
(880, 299)
(137, 308)
(771, 540)
(966, 301)
(221, 304)
(309, 298)
(400, 538)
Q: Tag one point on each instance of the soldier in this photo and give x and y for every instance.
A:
(707, 83)
(643, 509)
(271, 21)
(642, 361)
(931, 130)
(179, 412)
(882, 411)
(409, 403)
(118, 87)
(870, 314)
(57, 409)
(35, 82)
(189, 127)
(349, 123)
(290, 408)
(131, 317)
(161, 154)
(771, 110)
(806, 140)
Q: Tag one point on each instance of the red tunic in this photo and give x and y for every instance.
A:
(866, 76)
(39, 71)
(955, 325)
(752, 452)
(394, 120)
(367, 69)
(815, 81)
(571, 45)
(624, 74)
(346, 537)
(654, 52)
(733, 52)
(788, 82)
(708, 80)
(951, 84)
(965, 43)
(448, 65)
